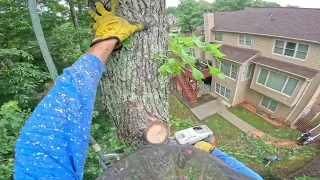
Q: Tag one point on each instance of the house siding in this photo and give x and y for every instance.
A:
(289, 101)
(302, 105)
(265, 44)
(254, 98)
(242, 88)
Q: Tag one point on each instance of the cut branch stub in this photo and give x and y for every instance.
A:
(156, 134)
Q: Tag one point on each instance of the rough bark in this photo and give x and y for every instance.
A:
(73, 13)
(133, 91)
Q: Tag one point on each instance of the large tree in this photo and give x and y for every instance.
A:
(133, 91)
(190, 15)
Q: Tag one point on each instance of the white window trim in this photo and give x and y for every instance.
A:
(215, 90)
(229, 75)
(295, 51)
(268, 104)
(264, 85)
(245, 39)
(215, 36)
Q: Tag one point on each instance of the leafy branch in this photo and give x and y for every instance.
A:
(179, 57)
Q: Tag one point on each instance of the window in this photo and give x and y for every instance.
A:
(247, 72)
(223, 91)
(218, 36)
(291, 49)
(245, 40)
(269, 103)
(228, 69)
(277, 81)
(192, 52)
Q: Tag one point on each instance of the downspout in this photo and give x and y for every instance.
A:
(41, 40)
(300, 98)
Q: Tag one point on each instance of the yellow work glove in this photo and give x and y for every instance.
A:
(110, 26)
(207, 147)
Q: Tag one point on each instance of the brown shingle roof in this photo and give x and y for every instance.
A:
(237, 54)
(298, 23)
(290, 68)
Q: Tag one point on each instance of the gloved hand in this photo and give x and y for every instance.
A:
(207, 147)
(110, 26)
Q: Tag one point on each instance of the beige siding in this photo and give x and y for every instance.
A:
(199, 53)
(289, 101)
(302, 104)
(265, 45)
(254, 98)
(242, 88)
(228, 83)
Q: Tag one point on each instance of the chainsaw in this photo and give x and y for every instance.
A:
(188, 136)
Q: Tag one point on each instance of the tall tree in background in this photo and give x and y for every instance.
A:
(190, 15)
(260, 3)
(73, 13)
(133, 91)
(172, 10)
(230, 5)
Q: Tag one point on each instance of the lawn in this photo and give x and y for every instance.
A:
(264, 126)
(316, 121)
(247, 149)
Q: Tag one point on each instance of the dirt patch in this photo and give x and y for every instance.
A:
(283, 143)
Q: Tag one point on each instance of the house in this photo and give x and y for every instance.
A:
(272, 59)
(173, 22)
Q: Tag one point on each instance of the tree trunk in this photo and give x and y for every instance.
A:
(133, 91)
(73, 14)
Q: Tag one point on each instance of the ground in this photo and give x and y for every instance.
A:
(248, 149)
(261, 124)
(316, 121)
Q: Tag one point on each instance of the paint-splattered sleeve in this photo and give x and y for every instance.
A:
(54, 140)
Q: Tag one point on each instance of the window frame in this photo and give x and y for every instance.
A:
(219, 66)
(245, 40)
(284, 86)
(269, 103)
(215, 36)
(245, 73)
(225, 91)
(295, 50)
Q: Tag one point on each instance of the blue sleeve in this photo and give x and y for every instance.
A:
(54, 140)
(235, 164)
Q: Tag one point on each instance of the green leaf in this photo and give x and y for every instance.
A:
(186, 57)
(221, 76)
(216, 51)
(197, 74)
(164, 69)
(85, 45)
(187, 41)
(127, 43)
(213, 70)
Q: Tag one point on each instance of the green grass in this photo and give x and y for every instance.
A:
(316, 121)
(246, 149)
(264, 126)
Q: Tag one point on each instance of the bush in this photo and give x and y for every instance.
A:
(12, 119)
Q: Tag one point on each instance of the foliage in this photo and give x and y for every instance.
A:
(20, 79)
(190, 15)
(261, 124)
(12, 119)
(178, 46)
(261, 3)
(67, 44)
(180, 124)
(223, 5)
(172, 10)
(104, 132)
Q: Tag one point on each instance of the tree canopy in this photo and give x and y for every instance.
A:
(190, 15)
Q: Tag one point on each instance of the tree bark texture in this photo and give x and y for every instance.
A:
(73, 13)
(133, 91)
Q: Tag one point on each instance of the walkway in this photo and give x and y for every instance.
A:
(217, 106)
